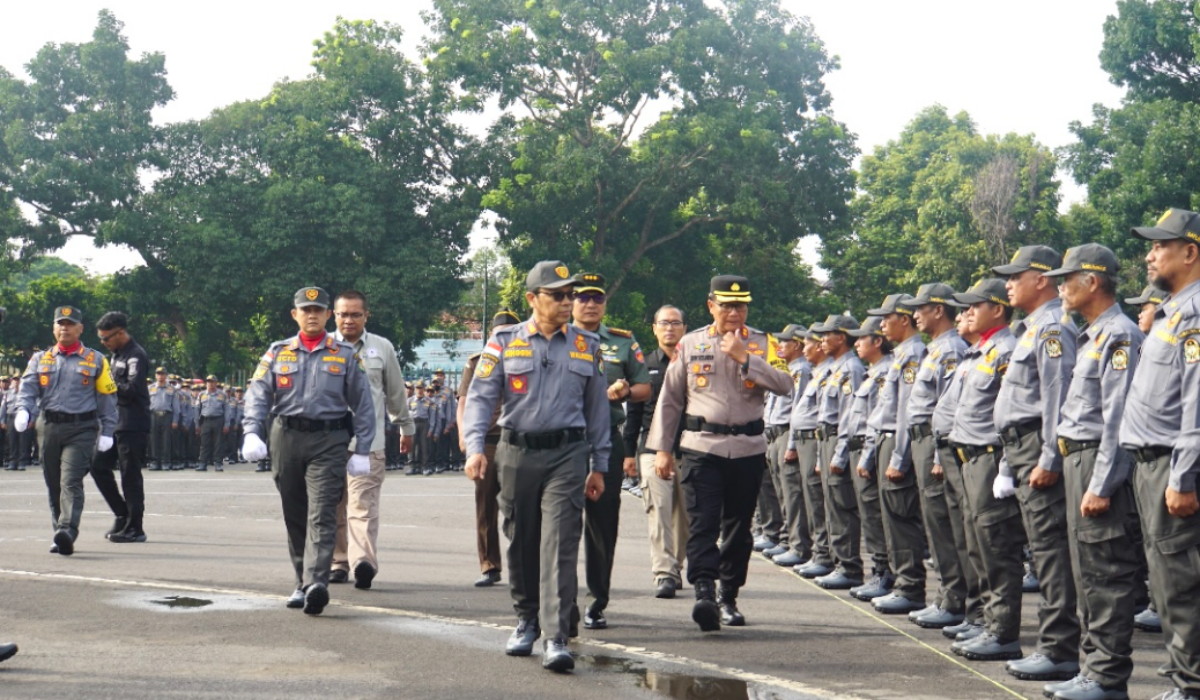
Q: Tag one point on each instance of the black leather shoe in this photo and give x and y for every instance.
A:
(128, 536)
(489, 578)
(316, 597)
(727, 600)
(520, 642)
(7, 651)
(339, 576)
(119, 525)
(706, 612)
(666, 588)
(595, 620)
(364, 574)
(66, 545)
(556, 657)
(296, 600)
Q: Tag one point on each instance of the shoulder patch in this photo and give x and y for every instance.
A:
(1191, 351)
(1120, 359)
(1054, 347)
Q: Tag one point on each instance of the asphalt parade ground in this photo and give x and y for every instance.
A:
(198, 612)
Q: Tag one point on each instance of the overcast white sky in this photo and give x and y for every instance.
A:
(1026, 66)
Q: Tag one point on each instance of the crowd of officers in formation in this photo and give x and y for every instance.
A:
(940, 432)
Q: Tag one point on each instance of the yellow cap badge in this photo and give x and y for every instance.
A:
(64, 311)
(311, 294)
(562, 272)
(735, 287)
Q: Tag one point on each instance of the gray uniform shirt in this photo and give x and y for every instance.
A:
(779, 406)
(937, 369)
(855, 420)
(986, 363)
(80, 382)
(322, 384)
(1106, 358)
(212, 404)
(543, 384)
(165, 398)
(713, 386)
(1163, 407)
(386, 379)
(846, 374)
(1039, 373)
(804, 400)
(947, 405)
(891, 413)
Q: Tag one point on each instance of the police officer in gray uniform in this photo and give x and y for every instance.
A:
(784, 475)
(301, 397)
(898, 493)
(1027, 410)
(940, 497)
(854, 434)
(79, 406)
(164, 418)
(996, 518)
(841, 501)
(1161, 427)
(803, 446)
(1096, 474)
(213, 423)
(555, 423)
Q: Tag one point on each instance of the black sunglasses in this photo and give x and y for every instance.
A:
(594, 297)
(556, 295)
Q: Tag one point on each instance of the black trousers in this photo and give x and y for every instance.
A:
(720, 494)
(129, 453)
(601, 521)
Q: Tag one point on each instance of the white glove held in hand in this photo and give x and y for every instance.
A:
(104, 443)
(1003, 486)
(359, 465)
(253, 448)
(21, 420)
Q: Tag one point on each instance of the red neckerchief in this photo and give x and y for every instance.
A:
(70, 349)
(311, 344)
(985, 336)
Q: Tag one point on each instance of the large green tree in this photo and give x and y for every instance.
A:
(942, 203)
(658, 143)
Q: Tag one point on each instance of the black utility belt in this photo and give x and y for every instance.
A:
(1152, 453)
(969, 452)
(856, 443)
(804, 435)
(827, 430)
(309, 425)
(1012, 435)
(60, 417)
(162, 413)
(698, 424)
(774, 431)
(548, 440)
(920, 430)
(1067, 446)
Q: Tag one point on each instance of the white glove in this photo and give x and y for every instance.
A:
(104, 443)
(21, 420)
(253, 448)
(359, 465)
(1003, 486)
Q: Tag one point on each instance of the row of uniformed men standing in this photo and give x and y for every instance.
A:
(18, 447)
(200, 425)
(1089, 430)
(434, 409)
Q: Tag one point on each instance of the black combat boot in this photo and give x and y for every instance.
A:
(729, 612)
(706, 613)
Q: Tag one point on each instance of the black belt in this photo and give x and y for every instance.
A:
(941, 442)
(969, 452)
(309, 425)
(1150, 454)
(162, 413)
(1013, 435)
(1067, 446)
(856, 443)
(774, 431)
(920, 430)
(827, 430)
(804, 435)
(696, 423)
(204, 418)
(543, 441)
(60, 417)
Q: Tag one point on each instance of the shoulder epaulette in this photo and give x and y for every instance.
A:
(621, 332)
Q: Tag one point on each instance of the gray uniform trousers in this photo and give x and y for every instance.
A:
(601, 525)
(1173, 553)
(1045, 516)
(790, 488)
(901, 506)
(807, 452)
(966, 543)
(866, 492)
(997, 524)
(935, 515)
(310, 474)
(1105, 564)
(841, 505)
(210, 439)
(67, 450)
(771, 515)
(160, 437)
(541, 506)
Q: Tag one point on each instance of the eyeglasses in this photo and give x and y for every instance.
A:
(110, 336)
(668, 324)
(727, 307)
(590, 297)
(352, 316)
(556, 295)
